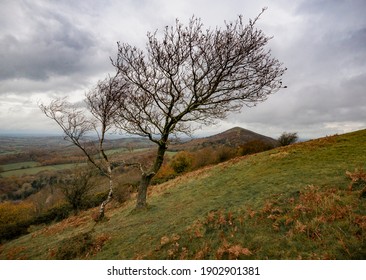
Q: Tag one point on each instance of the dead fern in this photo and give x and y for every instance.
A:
(358, 179)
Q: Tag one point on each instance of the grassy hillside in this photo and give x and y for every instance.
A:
(292, 202)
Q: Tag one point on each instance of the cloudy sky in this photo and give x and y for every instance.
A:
(62, 48)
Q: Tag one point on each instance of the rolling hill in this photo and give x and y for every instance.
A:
(303, 201)
(233, 137)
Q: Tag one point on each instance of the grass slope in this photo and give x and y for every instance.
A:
(288, 203)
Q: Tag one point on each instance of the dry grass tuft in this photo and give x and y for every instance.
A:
(358, 179)
(69, 223)
(80, 246)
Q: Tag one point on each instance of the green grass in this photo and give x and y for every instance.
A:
(125, 151)
(35, 169)
(287, 203)
(19, 165)
(6, 152)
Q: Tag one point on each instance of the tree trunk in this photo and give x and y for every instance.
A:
(142, 191)
(109, 197)
(147, 177)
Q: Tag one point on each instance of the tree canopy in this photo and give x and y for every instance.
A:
(189, 75)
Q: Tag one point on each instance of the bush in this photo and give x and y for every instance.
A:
(122, 192)
(55, 214)
(75, 247)
(11, 212)
(80, 246)
(203, 157)
(78, 186)
(287, 138)
(252, 147)
(15, 218)
(165, 173)
(225, 153)
(95, 199)
(13, 230)
(181, 162)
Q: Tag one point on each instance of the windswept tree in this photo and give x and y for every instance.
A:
(79, 125)
(190, 75)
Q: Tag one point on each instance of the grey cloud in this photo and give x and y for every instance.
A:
(310, 106)
(55, 46)
(343, 8)
(326, 76)
(328, 32)
(50, 48)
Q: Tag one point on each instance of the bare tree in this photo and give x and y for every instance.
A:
(78, 124)
(78, 186)
(192, 74)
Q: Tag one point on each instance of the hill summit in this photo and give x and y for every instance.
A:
(232, 137)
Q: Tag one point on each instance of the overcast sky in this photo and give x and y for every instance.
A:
(62, 48)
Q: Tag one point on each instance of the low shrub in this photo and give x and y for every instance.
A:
(95, 199)
(165, 173)
(122, 192)
(225, 153)
(79, 246)
(203, 157)
(54, 214)
(358, 179)
(74, 247)
(252, 147)
(13, 230)
(182, 162)
(15, 218)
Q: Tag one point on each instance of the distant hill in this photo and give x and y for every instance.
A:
(233, 137)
